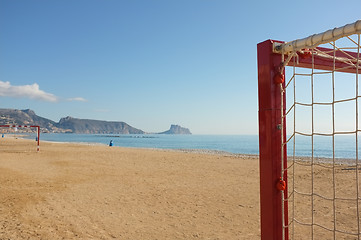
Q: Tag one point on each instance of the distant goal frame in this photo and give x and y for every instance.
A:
(27, 126)
(273, 56)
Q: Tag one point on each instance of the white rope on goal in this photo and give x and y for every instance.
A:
(321, 38)
(323, 182)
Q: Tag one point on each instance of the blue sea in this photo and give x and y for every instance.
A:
(345, 145)
(247, 144)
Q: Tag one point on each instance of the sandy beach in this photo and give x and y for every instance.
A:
(79, 191)
(73, 191)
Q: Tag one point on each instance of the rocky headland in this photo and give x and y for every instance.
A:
(75, 125)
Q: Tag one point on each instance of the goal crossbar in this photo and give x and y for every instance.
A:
(321, 38)
(345, 61)
(27, 126)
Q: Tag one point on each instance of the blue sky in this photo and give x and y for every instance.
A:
(150, 63)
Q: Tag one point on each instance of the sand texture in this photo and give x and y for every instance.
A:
(74, 191)
(70, 191)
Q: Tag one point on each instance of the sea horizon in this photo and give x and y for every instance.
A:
(222, 143)
(345, 146)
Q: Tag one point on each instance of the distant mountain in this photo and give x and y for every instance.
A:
(65, 125)
(96, 126)
(27, 117)
(74, 125)
(176, 129)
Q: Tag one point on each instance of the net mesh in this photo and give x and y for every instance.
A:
(323, 132)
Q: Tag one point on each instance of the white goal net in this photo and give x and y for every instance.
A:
(322, 93)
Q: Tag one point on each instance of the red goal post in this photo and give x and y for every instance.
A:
(273, 56)
(27, 126)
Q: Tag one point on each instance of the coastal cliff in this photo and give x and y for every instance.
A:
(75, 125)
(176, 129)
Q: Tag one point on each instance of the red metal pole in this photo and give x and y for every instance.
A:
(270, 144)
(327, 63)
(38, 147)
(38, 133)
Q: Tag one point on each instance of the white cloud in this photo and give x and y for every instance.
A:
(79, 99)
(25, 91)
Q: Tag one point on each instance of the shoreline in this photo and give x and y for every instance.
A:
(317, 160)
(198, 151)
(195, 151)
